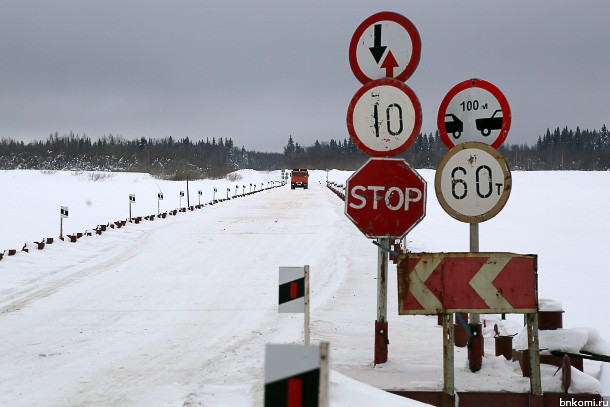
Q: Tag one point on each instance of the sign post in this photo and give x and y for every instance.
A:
(159, 199)
(482, 283)
(294, 294)
(385, 199)
(296, 375)
(383, 119)
(63, 213)
(132, 199)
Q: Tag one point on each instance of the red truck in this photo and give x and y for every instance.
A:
(299, 178)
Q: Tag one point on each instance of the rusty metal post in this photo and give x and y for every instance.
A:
(381, 324)
(476, 344)
(306, 296)
(532, 346)
(448, 398)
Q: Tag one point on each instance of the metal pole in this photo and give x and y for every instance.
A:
(532, 345)
(61, 227)
(158, 206)
(474, 248)
(476, 342)
(306, 319)
(381, 324)
(130, 209)
(448, 362)
(188, 196)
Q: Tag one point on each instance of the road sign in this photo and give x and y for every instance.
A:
(291, 290)
(384, 117)
(385, 198)
(472, 182)
(296, 375)
(385, 45)
(485, 283)
(474, 110)
(160, 196)
(63, 211)
(132, 198)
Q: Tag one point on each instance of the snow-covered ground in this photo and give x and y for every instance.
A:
(177, 311)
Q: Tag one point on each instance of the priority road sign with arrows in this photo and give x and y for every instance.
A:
(385, 45)
(485, 283)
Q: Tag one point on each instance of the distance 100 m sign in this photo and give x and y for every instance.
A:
(474, 110)
(472, 182)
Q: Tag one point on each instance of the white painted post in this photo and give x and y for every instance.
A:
(306, 319)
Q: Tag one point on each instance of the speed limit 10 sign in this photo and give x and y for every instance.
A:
(472, 182)
(384, 117)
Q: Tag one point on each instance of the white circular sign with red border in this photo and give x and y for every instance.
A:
(384, 117)
(386, 44)
(474, 110)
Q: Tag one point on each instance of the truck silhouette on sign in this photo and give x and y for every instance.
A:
(454, 126)
(487, 124)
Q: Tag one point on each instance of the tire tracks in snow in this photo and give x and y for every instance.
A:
(23, 298)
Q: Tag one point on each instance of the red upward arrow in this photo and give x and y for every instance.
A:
(389, 63)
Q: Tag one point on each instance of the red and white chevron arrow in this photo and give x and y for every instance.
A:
(484, 283)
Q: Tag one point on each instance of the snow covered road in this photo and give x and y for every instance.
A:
(168, 312)
(177, 311)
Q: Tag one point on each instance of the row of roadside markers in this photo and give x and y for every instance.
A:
(386, 198)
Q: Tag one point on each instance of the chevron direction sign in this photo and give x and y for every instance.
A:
(484, 283)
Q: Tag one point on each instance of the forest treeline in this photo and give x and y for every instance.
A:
(171, 158)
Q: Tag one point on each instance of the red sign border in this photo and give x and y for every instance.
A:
(398, 19)
(417, 174)
(416, 128)
(474, 83)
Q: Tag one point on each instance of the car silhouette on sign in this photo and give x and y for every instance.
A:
(487, 124)
(454, 126)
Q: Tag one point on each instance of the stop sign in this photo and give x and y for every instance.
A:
(385, 198)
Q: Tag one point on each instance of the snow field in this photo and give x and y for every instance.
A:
(177, 311)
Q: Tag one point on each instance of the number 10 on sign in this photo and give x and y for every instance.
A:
(384, 117)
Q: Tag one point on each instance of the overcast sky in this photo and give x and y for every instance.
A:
(259, 71)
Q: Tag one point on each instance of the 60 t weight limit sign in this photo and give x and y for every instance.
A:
(472, 182)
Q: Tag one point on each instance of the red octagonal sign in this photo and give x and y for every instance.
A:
(385, 198)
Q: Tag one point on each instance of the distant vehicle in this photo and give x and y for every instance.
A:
(299, 178)
(487, 124)
(454, 126)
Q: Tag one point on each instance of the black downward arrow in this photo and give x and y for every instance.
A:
(377, 50)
